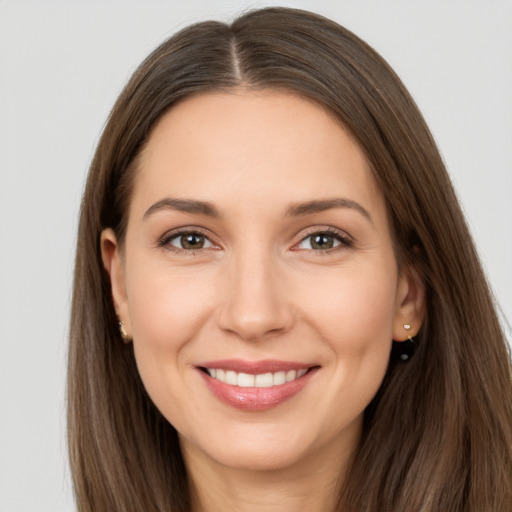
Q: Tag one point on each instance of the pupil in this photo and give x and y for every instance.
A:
(192, 241)
(322, 242)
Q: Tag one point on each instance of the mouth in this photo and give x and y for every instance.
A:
(259, 380)
(255, 386)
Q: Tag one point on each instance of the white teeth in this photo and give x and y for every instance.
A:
(279, 378)
(262, 380)
(231, 378)
(245, 380)
(291, 375)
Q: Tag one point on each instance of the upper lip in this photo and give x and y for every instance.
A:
(255, 367)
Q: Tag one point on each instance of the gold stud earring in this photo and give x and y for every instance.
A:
(405, 349)
(124, 334)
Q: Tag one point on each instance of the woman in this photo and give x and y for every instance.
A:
(269, 228)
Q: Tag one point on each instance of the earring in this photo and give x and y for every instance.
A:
(123, 332)
(404, 350)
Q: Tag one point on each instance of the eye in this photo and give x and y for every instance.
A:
(188, 241)
(323, 241)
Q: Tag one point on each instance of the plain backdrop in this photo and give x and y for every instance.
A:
(63, 63)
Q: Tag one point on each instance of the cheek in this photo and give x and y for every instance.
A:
(166, 309)
(354, 306)
(354, 317)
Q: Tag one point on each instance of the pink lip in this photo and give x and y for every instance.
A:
(255, 399)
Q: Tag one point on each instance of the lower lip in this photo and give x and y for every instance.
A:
(256, 399)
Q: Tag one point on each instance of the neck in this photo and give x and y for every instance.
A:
(311, 484)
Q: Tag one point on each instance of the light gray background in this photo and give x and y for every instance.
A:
(62, 64)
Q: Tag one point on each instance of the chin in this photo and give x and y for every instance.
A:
(258, 458)
(257, 448)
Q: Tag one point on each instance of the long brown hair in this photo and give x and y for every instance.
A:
(437, 437)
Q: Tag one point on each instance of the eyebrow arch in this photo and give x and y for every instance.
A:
(322, 205)
(183, 205)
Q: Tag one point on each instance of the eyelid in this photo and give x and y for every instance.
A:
(164, 240)
(346, 241)
(207, 242)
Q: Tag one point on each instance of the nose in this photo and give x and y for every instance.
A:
(255, 307)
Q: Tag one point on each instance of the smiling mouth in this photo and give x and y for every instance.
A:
(260, 380)
(257, 385)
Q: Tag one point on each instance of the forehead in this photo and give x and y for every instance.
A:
(242, 147)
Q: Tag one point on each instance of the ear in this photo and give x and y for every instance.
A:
(410, 304)
(113, 263)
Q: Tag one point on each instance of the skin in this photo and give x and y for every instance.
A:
(258, 289)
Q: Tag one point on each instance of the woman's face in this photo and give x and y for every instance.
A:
(258, 279)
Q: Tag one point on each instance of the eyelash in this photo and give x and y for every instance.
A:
(345, 242)
(165, 241)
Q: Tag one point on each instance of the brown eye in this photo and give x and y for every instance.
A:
(324, 241)
(190, 241)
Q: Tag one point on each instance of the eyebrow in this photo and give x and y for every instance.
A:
(322, 205)
(184, 205)
(296, 210)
